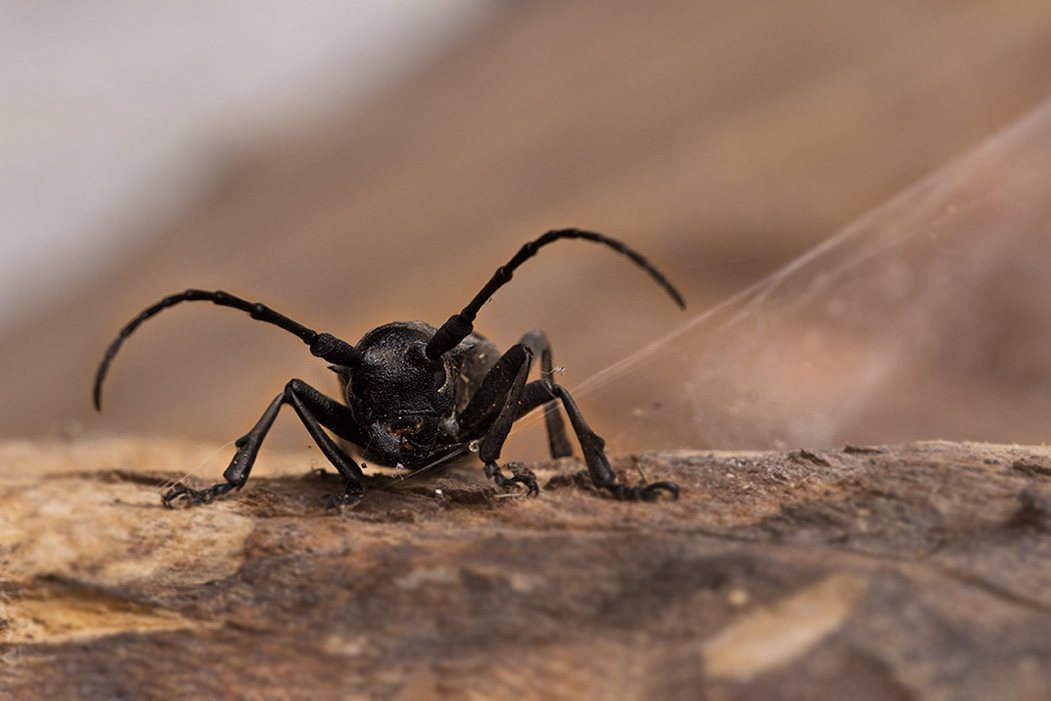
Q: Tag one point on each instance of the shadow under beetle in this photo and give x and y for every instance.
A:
(415, 395)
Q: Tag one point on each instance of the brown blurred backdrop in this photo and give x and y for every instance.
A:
(720, 138)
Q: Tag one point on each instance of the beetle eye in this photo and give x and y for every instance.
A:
(439, 377)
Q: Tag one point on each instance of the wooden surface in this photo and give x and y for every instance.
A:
(721, 139)
(910, 571)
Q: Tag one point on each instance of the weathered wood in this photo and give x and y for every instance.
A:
(920, 570)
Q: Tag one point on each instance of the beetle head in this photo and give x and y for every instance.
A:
(399, 397)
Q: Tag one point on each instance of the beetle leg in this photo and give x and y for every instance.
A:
(314, 410)
(493, 409)
(236, 474)
(522, 475)
(602, 475)
(556, 432)
(595, 457)
(489, 450)
(485, 406)
(487, 403)
(504, 397)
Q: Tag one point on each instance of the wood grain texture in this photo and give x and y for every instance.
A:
(910, 571)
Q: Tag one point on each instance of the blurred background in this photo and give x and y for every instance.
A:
(351, 166)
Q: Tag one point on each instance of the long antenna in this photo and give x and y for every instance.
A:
(322, 345)
(460, 325)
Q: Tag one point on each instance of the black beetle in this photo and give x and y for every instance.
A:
(415, 395)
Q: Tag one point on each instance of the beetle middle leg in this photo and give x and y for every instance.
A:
(592, 444)
(538, 343)
(315, 410)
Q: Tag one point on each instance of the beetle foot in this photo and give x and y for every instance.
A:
(338, 503)
(522, 475)
(180, 496)
(648, 492)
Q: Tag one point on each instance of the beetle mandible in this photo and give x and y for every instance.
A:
(413, 394)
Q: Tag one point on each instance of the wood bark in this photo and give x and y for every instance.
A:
(908, 571)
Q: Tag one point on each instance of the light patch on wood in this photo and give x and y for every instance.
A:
(79, 616)
(110, 534)
(772, 636)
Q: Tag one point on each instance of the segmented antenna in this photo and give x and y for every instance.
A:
(322, 345)
(460, 325)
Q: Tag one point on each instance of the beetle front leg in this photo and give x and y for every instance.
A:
(522, 475)
(314, 410)
(491, 412)
(493, 442)
(236, 474)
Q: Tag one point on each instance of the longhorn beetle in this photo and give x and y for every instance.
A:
(415, 395)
